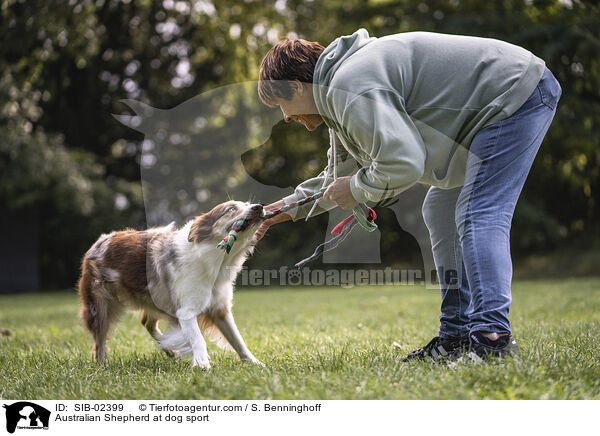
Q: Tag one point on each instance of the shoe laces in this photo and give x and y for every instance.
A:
(426, 348)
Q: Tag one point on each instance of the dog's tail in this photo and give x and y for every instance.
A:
(175, 341)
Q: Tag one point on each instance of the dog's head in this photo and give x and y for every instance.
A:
(216, 224)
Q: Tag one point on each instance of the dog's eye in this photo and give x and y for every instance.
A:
(231, 210)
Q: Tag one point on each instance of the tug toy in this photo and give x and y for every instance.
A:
(363, 215)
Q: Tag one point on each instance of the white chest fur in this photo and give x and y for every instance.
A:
(202, 279)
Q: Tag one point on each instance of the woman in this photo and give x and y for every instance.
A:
(465, 115)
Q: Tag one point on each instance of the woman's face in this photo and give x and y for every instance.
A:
(301, 108)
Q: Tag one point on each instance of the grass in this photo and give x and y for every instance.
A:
(317, 343)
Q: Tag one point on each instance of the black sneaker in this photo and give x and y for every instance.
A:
(439, 348)
(484, 347)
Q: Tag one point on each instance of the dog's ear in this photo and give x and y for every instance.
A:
(201, 228)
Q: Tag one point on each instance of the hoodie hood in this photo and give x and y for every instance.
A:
(336, 53)
(332, 58)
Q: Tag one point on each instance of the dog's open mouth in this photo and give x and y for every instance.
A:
(255, 217)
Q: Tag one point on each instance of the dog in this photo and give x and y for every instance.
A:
(178, 275)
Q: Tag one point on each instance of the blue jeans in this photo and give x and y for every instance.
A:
(469, 226)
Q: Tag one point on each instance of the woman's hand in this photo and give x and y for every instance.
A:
(339, 192)
(262, 229)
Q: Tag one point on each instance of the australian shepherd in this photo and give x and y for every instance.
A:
(174, 274)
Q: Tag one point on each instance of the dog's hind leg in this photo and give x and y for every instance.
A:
(98, 314)
(100, 333)
(151, 324)
(98, 309)
(108, 312)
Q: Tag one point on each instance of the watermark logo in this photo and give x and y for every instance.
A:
(26, 415)
(223, 144)
(346, 278)
(219, 146)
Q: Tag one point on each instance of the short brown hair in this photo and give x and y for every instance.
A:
(290, 59)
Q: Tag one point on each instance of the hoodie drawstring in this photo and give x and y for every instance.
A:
(329, 165)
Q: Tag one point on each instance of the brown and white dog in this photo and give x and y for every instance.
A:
(174, 274)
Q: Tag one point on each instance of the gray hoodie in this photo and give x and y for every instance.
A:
(406, 107)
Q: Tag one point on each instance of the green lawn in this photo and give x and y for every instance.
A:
(317, 343)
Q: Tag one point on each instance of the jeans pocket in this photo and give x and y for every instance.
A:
(550, 90)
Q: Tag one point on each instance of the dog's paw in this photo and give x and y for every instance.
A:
(254, 361)
(169, 353)
(200, 362)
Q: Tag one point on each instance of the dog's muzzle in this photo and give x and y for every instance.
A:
(252, 218)
(255, 215)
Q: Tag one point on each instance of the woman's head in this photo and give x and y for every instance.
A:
(285, 80)
(288, 60)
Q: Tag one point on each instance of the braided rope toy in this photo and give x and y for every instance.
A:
(231, 237)
(241, 224)
(364, 217)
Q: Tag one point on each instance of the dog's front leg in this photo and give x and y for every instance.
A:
(191, 331)
(226, 325)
